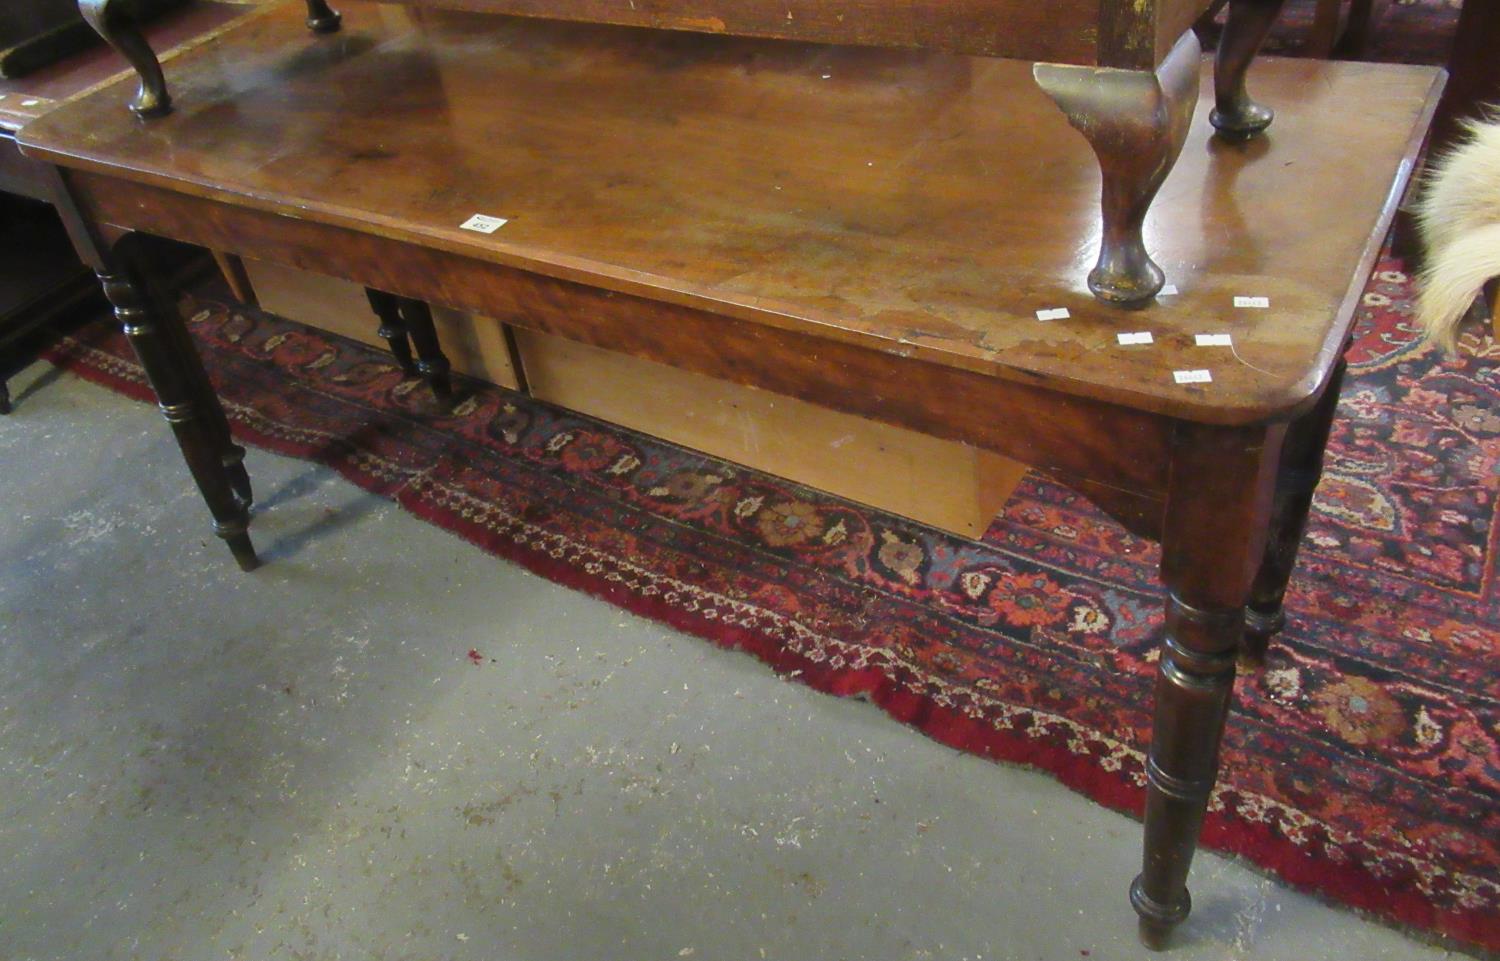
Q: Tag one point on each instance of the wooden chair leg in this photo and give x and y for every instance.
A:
(1323, 35)
(1136, 121)
(1301, 468)
(176, 375)
(112, 21)
(1217, 513)
(322, 18)
(1235, 115)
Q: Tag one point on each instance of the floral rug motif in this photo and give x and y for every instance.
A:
(1363, 762)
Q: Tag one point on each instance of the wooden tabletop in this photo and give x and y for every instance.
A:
(927, 205)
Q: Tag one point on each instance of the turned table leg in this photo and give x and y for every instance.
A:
(232, 455)
(1235, 115)
(392, 329)
(1136, 121)
(1217, 512)
(431, 362)
(112, 21)
(1296, 481)
(176, 375)
(321, 18)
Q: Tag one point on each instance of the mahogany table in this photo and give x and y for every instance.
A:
(1124, 71)
(879, 231)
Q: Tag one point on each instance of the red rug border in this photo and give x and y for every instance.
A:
(1341, 885)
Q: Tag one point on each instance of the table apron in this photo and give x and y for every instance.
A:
(1116, 455)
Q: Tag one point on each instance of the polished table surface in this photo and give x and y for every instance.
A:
(922, 204)
(870, 230)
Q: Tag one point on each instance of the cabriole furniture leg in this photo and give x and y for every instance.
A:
(162, 343)
(1235, 116)
(321, 18)
(1136, 121)
(1217, 512)
(112, 21)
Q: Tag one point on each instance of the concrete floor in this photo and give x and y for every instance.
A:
(302, 763)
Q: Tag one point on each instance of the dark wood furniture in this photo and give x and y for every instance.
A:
(1125, 72)
(872, 230)
(40, 275)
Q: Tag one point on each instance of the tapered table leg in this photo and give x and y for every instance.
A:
(111, 19)
(321, 18)
(1215, 528)
(1235, 116)
(177, 377)
(1136, 121)
(431, 362)
(1296, 481)
(392, 328)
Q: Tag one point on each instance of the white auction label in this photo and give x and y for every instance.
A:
(1259, 303)
(1054, 313)
(1214, 340)
(1143, 337)
(1170, 290)
(1192, 376)
(480, 223)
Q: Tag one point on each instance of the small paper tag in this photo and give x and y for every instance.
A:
(1054, 313)
(479, 223)
(1170, 290)
(1192, 376)
(1214, 340)
(1259, 303)
(1143, 337)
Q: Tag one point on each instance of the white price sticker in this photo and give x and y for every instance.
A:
(1054, 313)
(1192, 376)
(1257, 303)
(1214, 340)
(479, 223)
(1143, 337)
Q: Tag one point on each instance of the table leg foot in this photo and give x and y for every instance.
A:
(1235, 116)
(1136, 121)
(112, 21)
(1260, 627)
(321, 18)
(1157, 921)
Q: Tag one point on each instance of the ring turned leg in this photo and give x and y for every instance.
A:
(1216, 517)
(110, 20)
(321, 18)
(388, 308)
(1235, 116)
(1296, 481)
(1136, 121)
(431, 362)
(176, 376)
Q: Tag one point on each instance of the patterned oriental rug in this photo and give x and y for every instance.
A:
(1362, 763)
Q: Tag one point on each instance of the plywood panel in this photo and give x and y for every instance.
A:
(948, 485)
(945, 484)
